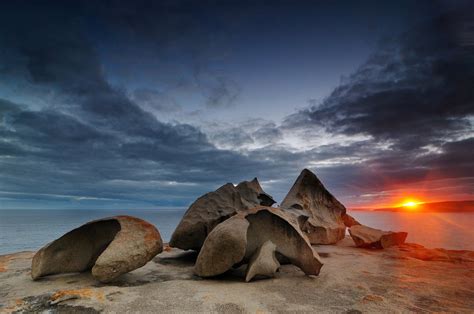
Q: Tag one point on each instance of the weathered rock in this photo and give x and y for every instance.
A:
(319, 212)
(349, 221)
(224, 247)
(252, 192)
(213, 208)
(264, 224)
(364, 236)
(263, 262)
(110, 247)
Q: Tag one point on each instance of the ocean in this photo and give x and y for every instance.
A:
(22, 230)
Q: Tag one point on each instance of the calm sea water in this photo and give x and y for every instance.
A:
(433, 230)
(22, 230)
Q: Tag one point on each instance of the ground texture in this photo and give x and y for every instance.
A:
(409, 278)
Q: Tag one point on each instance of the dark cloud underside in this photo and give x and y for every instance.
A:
(68, 134)
(414, 98)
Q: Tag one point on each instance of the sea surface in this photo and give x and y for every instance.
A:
(22, 230)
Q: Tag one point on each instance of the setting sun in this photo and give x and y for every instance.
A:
(410, 204)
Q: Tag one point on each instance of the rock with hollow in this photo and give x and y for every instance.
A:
(213, 208)
(109, 247)
(264, 224)
(318, 212)
(252, 192)
(263, 262)
(367, 237)
(224, 247)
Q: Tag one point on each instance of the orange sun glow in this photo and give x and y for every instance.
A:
(410, 204)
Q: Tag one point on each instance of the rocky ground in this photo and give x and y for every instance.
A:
(399, 279)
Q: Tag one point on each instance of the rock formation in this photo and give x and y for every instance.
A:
(318, 212)
(252, 192)
(224, 247)
(110, 247)
(213, 208)
(364, 236)
(349, 221)
(263, 262)
(252, 229)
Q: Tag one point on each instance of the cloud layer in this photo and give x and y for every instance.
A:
(414, 100)
(70, 137)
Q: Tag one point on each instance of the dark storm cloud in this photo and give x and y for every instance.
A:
(414, 98)
(97, 136)
(98, 142)
(268, 133)
(254, 132)
(154, 100)
(222, 93)
(187, 30)
(232, 137)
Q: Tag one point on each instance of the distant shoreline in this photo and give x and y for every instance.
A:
(435, 207)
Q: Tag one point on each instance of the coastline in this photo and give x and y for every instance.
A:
(352, 280)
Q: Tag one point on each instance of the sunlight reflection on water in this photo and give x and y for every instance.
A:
(433, 230)
(31, 229)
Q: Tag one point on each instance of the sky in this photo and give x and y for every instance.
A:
(150, 104)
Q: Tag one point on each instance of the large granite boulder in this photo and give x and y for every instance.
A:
(251, 229)
(318, 212)
(364, 236)
(109, 247)
(213, 208)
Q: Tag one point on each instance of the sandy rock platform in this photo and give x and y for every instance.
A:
(352, 280)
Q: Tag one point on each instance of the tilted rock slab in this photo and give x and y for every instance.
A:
(364, 236)
(319, 212)
(110, 247)
(213, 208)
(349, 221)
(263, 262)
(237, 239)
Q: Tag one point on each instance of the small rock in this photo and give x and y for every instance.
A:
(372, 298)
(364, 236)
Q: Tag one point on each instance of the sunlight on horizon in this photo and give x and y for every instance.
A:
(410, 204)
